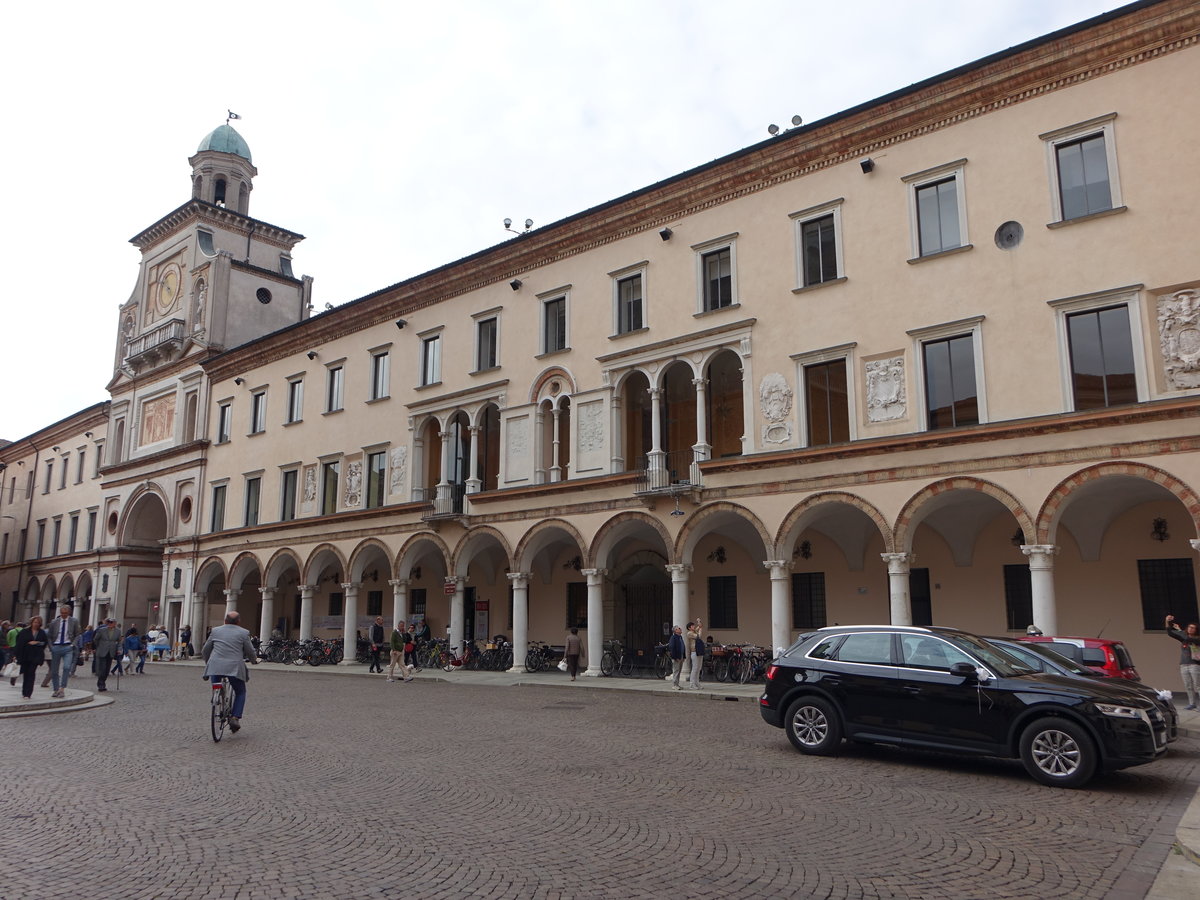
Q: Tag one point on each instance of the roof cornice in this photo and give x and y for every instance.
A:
(216, 216)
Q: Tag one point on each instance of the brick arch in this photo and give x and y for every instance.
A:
(800, 510)
(604, 532)
(204, 571)
(458, 557)
(902, 538)
(1051, 511)
(690, 534)
(276, 563)
(359, 551)
(317, 551)
(242, 558)
(546, 525)
(421, 537)
(546, 376)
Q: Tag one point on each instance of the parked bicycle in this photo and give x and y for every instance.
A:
(615, 660)
(541, 656)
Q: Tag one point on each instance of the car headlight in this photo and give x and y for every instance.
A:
(1122, 712)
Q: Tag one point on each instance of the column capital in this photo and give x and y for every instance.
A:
(310, 588)
(456, 580)
(775, 565)
(1046, 550)
(398, 583)
(518, 579)
(594, 576)
(679, 571)
(898, 563)
(1195, 542)
(231, 592)
(351, 586)
(267, 593)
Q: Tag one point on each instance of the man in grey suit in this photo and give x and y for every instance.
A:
(63, 631)
(226, 653)
(106, 644)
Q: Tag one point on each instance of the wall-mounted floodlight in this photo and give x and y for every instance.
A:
(867, 165)
(515, 284)
(665, 234)
(400, 323)
(312, 354)
(239, 381)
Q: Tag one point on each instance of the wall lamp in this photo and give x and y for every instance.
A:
(867, 165)
(400, 323)
(55, 448)
(515, 284)
(239, 381)
(665, 234)
(312, 354)
(87, 434)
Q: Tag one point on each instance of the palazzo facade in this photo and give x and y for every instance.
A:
(934, 359)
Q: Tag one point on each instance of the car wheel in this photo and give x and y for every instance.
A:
(1058, 752)
(813, 726)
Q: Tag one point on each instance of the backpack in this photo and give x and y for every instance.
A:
(699, 645)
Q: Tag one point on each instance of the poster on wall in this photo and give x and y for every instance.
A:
(481, 620)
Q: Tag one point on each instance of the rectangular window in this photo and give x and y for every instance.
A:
(4, 548)
(722, 601)
(827, 403)
(79, 467)
(1168, 588)
(73, 534)
(337, 603)
(57, 534)
(818, 250)
(99, 459)
(41, 539)
(62, 474)
(253, 495)
(950, 396)
(1083, 186)
(554, 325)
(295, 401)
(91, 538)
(629, 304)
(808, 600)
(937, 216)
(334, 388)
(376, 479)
(218, 508)
(287, 491)
(717, 268)
(416, 600)
(577, 604)
(224, 422)
(380, 367)
(329, 488)
(1102, 366)
(486, 344)
(431, 360)
(49, 476)
(1018, 597)
(374, 603)
(258, 412)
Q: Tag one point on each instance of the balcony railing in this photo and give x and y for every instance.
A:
(447, 501)
(667, 471)
(159, 343)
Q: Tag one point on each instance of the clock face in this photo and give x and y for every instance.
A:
(168, 288)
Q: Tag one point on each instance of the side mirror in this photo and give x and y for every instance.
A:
(964, 670)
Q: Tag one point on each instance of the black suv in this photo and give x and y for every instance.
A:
(944, 689)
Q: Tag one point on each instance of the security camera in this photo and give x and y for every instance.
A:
(508, 223)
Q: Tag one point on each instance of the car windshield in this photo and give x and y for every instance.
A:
(995, 658)
(1058, 659)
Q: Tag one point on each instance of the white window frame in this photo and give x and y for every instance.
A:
(817, 357)
(924, 178)
(637, 270)
(223, 486)
(429, 360)
(712, 246)
(256, 479)
(488, 315)
(803, 217)
(258, 411)
(544, 299)
(284, 471)
(921, 336)
(382, 452)
(381, 373)
(1104, 125)
(224, 421)
(335, 386)
(1131, 297)
(295, 400)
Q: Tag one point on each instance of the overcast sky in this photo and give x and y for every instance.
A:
(397, 136)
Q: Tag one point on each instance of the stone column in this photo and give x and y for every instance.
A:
(679, 608)
(702, 449)
(399, 602)
(520, 637)
(306, 598)
(442, 503)
(474, 482)
(199, 620)
(595, 614)
(350, 624)
(656, 463)
(231, 599)
(898, 565)
(457, 613)
(780, 570)
(616, 436)
(555, 468)
(1041, 585)
(267, 619)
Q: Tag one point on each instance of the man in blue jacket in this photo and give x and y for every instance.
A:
(677, 651)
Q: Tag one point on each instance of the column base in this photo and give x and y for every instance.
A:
(592, 672)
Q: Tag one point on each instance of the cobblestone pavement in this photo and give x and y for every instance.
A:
(353, 787)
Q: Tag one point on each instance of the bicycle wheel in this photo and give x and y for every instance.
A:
(607, 663)
(662, 666)
(508, 660)
(736, 664)
(720, 670)
(746, 672)
(625, 667)
(218, 716)
(446, 661)
(533, 661)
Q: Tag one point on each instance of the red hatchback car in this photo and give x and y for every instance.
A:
(1106, 657)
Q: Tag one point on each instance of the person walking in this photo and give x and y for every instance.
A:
(185, 642)
(63, 633)
(1189, 658)
(31, 653)
(106, 646)
(226, 653)
(696, 648)
(677, 650)
(375, 636)
(132, 645)
(572, 653)
(400, 640)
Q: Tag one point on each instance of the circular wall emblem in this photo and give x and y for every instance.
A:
(1009, 235)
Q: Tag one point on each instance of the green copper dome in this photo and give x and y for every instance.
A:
(226, 140)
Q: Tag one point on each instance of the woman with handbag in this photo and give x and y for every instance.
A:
(1189, 659)
(31, 653)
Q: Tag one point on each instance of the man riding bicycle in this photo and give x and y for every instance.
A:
(226, 653)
